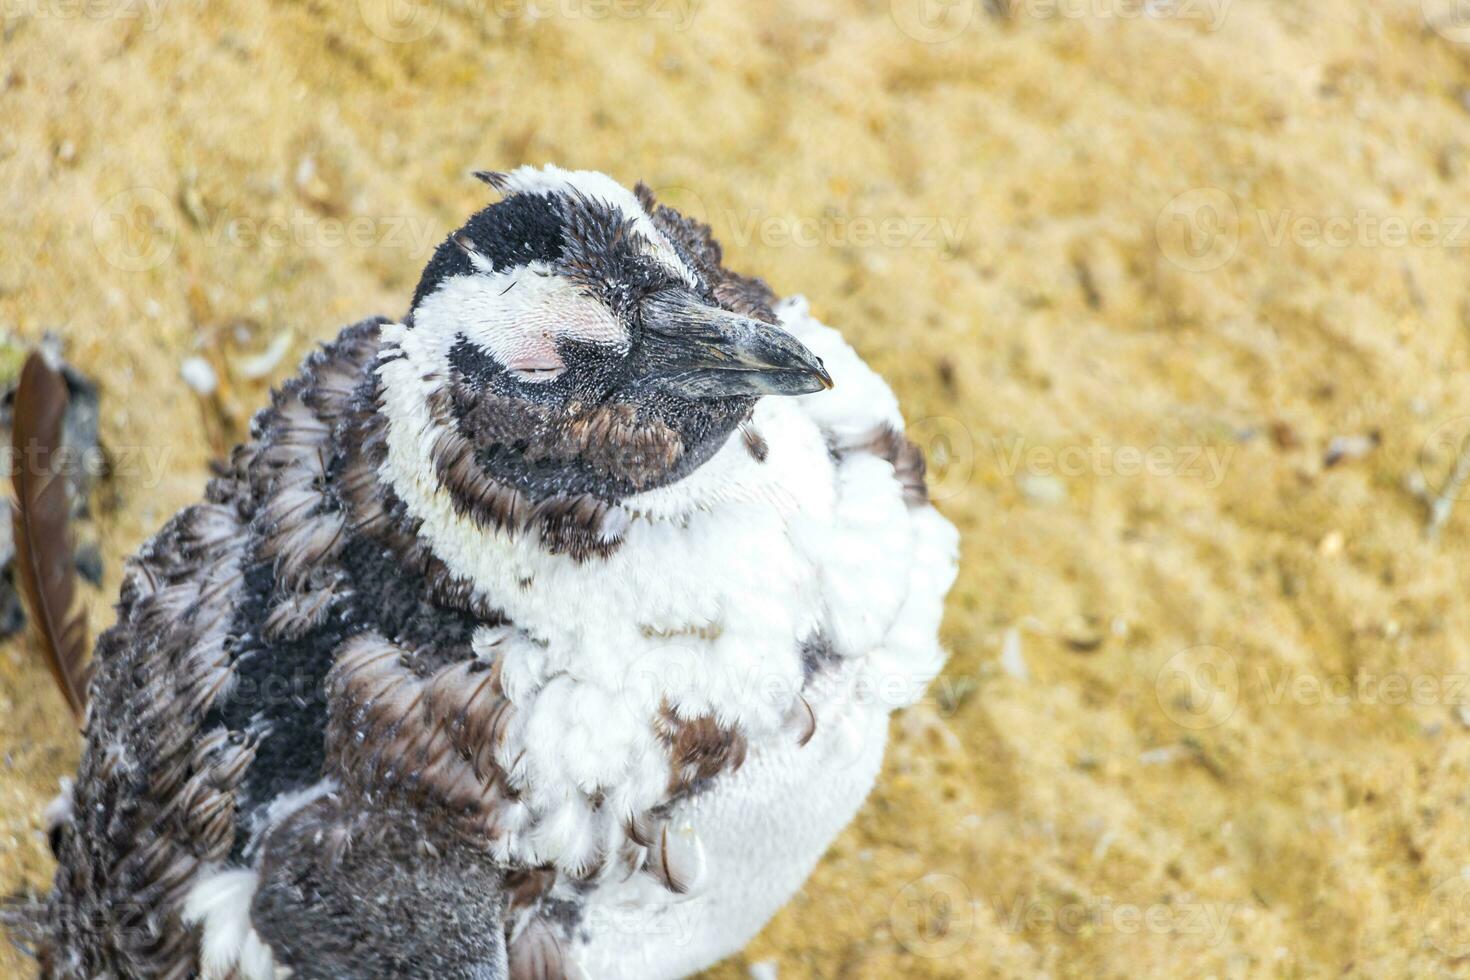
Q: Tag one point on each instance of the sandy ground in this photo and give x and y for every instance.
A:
(1208, 712)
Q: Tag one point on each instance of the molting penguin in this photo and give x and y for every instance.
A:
(552, 631)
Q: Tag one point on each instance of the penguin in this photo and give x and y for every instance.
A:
(550, 631)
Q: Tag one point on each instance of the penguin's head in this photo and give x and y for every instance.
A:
(585, 341)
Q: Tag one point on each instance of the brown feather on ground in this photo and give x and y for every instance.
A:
(45, 571)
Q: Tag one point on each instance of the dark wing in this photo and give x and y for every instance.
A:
(352, 888)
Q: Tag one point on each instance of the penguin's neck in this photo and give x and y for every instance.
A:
(691, 559)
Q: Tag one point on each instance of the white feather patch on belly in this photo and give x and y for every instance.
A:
(229, 947)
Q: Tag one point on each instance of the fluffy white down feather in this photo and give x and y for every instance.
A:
(882, 571)
(230, 948)
(721, 577)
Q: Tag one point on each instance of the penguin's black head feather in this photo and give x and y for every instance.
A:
(521, 229)
(587, 345)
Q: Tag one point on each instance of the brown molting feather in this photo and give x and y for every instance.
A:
(802, 720)
(336, 372)
(495, 178)
(614, 441)
(301, 548)
(536, 953)
(699, 748)
(468, 700)
(708, 632)
(579, 525)
(908, 462)
(525, 888)
(305, 527)
(229, 487)
(696, 243)
(611, 439)
(374, 509)
(645, 197)
(43, 551)
(365, 501)
(755, 443)
(591, 232)
(668, 863)
(455, 592)
(203, 808)
(426, 740)
(297, 613)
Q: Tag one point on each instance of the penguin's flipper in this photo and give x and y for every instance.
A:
(351, 892)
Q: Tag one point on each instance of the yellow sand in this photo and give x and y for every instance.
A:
(1229, 734)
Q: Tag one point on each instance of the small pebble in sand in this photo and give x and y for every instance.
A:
(1041, 489)
(1011, 660)
(199, 375)
(1331, 544)
(1344, 448)
(261, 365)
(1084, 634)
(1284, 436)
(1162, 756)
(764, 970)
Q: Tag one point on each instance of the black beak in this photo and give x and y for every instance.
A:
(702, 351)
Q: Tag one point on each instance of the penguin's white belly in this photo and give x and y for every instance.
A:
(762, 830)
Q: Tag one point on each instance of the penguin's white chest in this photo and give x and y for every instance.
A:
(762, 830)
